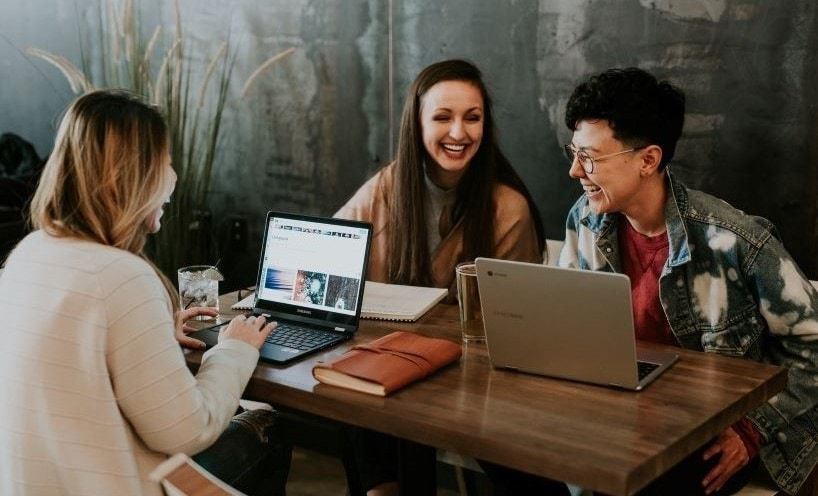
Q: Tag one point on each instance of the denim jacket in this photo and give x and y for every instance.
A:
(729, 287)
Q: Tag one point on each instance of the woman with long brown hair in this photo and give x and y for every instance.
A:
(94, 390)
(450, 195)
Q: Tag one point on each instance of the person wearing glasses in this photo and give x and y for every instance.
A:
(704, 275)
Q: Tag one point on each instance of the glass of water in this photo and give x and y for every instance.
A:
(199, 287)
(471, 313)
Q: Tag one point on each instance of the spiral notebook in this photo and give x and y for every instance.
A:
(385, 301)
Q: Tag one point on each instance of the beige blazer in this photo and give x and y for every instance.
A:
(515, 237)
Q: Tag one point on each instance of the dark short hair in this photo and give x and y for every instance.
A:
(640, 109)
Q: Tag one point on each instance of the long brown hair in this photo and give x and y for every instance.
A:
(106, 176)
(409, 261)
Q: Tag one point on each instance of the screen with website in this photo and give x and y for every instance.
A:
(313, 264)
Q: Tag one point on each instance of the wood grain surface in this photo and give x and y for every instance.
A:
(604, 439)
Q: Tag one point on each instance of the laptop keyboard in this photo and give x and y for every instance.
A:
(300, 338)
(645, 368)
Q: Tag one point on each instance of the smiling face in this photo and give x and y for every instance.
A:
(451, 118)
(615, 184)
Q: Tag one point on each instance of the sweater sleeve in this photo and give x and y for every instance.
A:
(170, 409)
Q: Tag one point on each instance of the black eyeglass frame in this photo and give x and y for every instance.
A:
(572, 153)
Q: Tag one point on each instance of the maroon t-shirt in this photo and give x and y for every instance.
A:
(643, 258)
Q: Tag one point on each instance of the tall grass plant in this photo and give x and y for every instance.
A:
(193, 109)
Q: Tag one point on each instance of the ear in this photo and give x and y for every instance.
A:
(651, 158)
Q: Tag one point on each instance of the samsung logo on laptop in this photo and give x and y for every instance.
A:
(300, 310)
(509, 315)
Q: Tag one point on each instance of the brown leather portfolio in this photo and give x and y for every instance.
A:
(387, 364)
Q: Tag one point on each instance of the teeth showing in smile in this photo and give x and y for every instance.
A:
(454, 148)
(591, 189)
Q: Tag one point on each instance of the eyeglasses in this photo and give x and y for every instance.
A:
(588, 162)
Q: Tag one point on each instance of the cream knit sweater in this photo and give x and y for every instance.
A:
(94, 390)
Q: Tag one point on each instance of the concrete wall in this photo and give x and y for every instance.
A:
(319, 124)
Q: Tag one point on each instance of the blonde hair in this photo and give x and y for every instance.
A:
(106, 176)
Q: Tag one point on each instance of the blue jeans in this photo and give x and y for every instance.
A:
(250, 455)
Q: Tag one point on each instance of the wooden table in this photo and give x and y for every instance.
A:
(599, 438)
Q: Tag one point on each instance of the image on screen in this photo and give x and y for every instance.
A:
(279, 282)
(313, 264)
(310, 287)
(342, 292)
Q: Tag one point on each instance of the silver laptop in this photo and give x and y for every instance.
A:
(567, 323)
(311, 281)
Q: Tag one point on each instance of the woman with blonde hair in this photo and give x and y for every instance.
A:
(94, 390)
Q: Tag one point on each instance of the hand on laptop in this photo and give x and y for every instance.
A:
(252, 330)
(182, 329)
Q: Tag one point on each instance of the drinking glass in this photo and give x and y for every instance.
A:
(199, 287)
(471, 313)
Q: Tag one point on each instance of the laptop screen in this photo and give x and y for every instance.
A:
(313, 268)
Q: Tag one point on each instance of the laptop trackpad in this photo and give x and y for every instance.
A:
(277, 353)
(210, 335)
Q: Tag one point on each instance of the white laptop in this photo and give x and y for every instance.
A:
(567, 323)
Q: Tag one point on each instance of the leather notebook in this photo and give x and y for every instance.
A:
(388, 363)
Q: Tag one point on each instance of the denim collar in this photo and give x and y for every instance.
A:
(676, 207)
